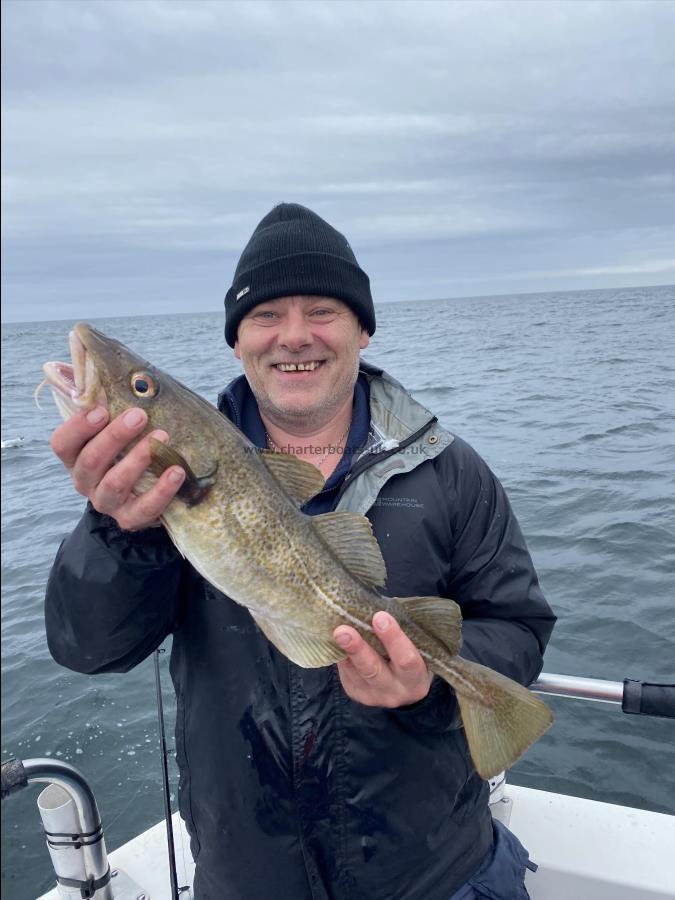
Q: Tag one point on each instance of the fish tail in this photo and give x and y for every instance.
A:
(502, 719)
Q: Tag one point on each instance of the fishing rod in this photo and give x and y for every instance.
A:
(173, 875)
(639, 698)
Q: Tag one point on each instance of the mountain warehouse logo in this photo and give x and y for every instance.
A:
(243, 292)
(405, 502)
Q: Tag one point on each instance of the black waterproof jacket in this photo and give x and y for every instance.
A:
(290, 790)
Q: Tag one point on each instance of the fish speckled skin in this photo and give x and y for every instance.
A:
(238, 521)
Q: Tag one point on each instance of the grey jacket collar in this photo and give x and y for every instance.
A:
(403, 434)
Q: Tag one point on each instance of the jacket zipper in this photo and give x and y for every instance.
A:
(373, 458)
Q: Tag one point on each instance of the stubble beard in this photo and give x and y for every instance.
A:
(289, 414)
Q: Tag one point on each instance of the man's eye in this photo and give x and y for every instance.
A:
(322, 312)
(266, 314)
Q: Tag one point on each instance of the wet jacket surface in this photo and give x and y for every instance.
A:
(291, 790)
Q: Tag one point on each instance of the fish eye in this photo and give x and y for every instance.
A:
(143, 385)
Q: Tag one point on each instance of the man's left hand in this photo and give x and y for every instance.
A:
(372, 680)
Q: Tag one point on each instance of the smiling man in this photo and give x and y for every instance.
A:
(301, 358)
(350, 782)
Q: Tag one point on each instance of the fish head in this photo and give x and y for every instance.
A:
(105, 372)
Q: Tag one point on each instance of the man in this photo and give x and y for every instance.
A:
(350, 781)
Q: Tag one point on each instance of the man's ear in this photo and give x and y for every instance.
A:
(364, 340)
(236, 350)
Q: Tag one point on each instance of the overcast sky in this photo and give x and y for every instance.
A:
(464, 148)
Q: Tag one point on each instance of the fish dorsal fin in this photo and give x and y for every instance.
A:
(194, 488)
(438, 616)
(302, 648)
(301, 480)
(350, 537)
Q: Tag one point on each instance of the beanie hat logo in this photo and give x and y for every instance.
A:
(294, 252)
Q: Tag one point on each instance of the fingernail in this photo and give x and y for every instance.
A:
(133, 418)
(176, 476)
(381, 621)
(161, 436)
(96, 416)
(343, 639)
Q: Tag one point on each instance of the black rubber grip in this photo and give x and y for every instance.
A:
(13, 777)
(641, 698)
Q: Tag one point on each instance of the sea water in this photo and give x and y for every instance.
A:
(570, 397)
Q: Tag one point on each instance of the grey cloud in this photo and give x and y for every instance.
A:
(500, 145)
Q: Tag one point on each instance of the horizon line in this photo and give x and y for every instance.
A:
(631, 287)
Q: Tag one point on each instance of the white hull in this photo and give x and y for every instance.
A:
(593, 851)
(585, 850)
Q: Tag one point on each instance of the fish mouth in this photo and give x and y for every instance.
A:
(75, 386)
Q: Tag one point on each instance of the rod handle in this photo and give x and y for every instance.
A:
(13, 777)
(641, 698)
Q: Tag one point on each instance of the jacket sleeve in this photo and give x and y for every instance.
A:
(112, 596)
(507, 621)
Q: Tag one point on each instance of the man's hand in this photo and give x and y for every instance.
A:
(372, 680)
(88, 446)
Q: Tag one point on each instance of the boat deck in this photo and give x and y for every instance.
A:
(585, 850)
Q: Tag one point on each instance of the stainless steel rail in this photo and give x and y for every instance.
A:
(579, 688)
(640, 698)
(71, 780)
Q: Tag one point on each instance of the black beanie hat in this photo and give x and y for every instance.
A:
(293, 251)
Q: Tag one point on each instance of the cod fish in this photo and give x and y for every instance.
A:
(237, 519)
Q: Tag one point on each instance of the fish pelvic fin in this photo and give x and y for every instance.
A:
(195, 487)
(438, 616)
(502, 719)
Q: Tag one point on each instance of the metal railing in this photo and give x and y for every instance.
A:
(635, 697)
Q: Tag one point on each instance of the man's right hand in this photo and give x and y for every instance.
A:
(89, 446)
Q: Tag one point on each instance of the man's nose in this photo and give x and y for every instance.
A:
(295, 332)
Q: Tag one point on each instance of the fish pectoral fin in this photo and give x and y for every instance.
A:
(195, 487)
(301, 647)
(350, 537)
(299, 479)
(502, 719)
(438, 616)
